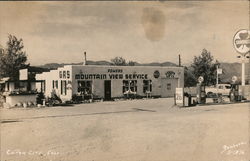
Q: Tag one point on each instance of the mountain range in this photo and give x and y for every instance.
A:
(57, 65)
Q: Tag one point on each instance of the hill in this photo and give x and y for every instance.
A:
(233, 69)
(57, 65)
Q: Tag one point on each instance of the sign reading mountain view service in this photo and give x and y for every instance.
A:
(117, 74)
(111, 76)
(241, 41)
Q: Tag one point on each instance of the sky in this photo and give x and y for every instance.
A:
(152, 31)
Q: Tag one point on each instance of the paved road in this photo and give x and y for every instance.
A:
(138, 130)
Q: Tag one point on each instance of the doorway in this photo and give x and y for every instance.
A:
(107, 90)
(168, 87)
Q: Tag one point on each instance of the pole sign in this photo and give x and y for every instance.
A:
(241, 41)
(219, 71)
(23, 74)
(179, 96)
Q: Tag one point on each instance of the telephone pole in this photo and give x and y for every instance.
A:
(179, 60)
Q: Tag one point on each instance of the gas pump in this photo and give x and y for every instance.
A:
(234, 94)
(201, 92)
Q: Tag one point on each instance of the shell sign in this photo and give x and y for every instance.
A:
(241, 41)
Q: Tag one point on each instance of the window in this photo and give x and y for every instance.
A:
(169, 86)
(8, 86)
(84, 87)
(147, 86)
(16, 85)
(130, 85)
(55, 84)
(43, 83)
(22, 86)
(63, 87)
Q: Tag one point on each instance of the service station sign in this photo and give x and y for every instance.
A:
(241, 41)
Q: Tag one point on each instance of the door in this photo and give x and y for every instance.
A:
(168, 87)
(107, 90)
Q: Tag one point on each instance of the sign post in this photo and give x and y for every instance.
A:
(241, 43)
(219, 71)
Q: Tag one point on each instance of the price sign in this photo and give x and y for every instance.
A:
(179, 96)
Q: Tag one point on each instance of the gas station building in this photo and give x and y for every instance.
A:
(109, 82)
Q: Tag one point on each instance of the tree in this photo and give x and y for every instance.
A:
(12, 58)
(205, 66)
(118, 61)
(189, 77)
(131, 63)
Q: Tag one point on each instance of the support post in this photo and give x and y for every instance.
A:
(243, 72)
(217, 76)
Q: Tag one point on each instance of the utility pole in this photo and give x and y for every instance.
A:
(217, 76)
(179, 60)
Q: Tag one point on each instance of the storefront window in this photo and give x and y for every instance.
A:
(130, 85)
(84, 87)
(43, 83)
(147, 86)
(63, 87)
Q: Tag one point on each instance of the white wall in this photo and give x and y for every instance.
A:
(55, 75)
(116, 84)
(13, 100)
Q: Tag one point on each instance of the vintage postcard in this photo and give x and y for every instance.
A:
(124, 80)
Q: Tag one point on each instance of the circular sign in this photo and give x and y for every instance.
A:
(200, 79)
(156, 74)
(241, 41)
(234, 79)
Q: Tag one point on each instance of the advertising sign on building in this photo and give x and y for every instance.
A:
(23, 74)
(179, 96)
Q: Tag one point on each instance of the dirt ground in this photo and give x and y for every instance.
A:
(136, 130)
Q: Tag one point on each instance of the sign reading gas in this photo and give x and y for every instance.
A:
(65, 74)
